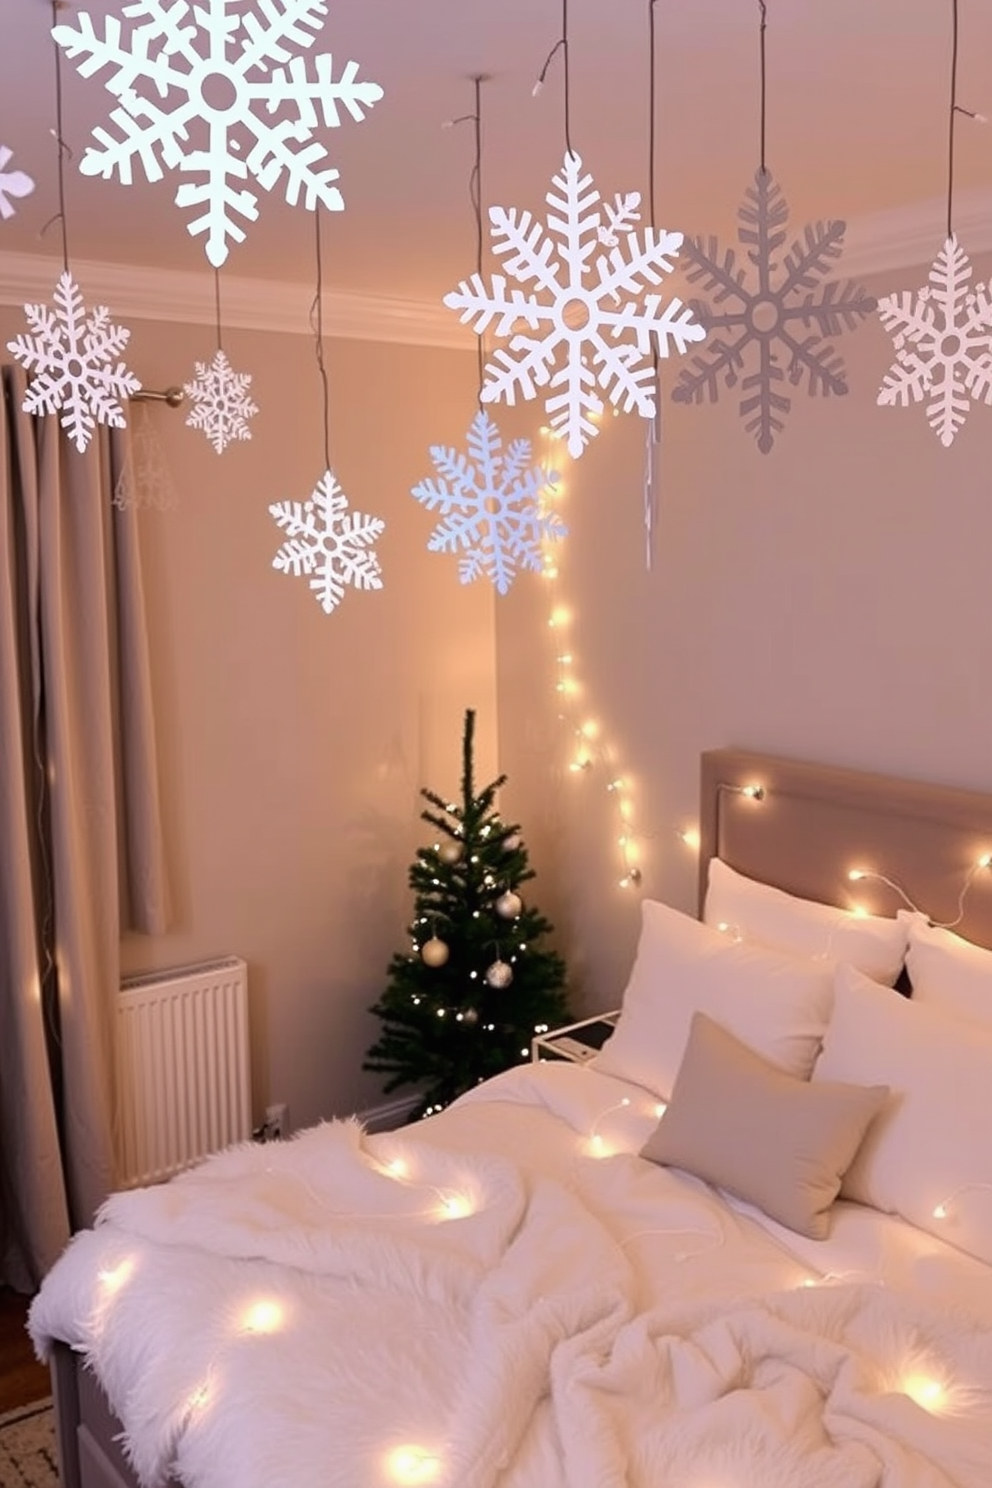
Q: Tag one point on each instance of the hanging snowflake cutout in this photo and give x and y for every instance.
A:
(943, 344)
(71, 359)
(196, 84)
(328, 544)
(589, 316)
(778, 317)
(491, 505)
(13, 183)
(221, 405)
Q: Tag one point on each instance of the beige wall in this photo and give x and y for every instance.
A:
(828, 601)
(293, 744)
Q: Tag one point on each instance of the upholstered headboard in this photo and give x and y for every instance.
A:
(812, 824)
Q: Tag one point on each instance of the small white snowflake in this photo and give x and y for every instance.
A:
(492, 509)
(222, 407)
(71, 359)
(327, 543)
(234, 93)
(584, 301)
(12, 183)
(943, 343)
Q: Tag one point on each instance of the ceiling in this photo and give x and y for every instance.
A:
(857, 114)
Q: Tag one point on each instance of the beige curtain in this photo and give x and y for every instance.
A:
(80, 841)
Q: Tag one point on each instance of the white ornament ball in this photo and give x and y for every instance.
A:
(499, 975)
(434, 952)
(509, 905)
(470, 1016)
(450, 852)
(511, 843)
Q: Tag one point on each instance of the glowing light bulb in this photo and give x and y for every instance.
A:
(753, 792)
(413, 1465)
(985, 861)
(927, 1392)
(456, 1206)
(117, 1276)
(266, 1316)
(398, 1167)
(857, 874)
(660, 1109)
(690, 836)
(940, 1212)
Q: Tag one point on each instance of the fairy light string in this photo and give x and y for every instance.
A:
(652, 458)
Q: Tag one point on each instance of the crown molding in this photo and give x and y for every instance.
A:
(878, 242)
(908, 236)
(249, 304)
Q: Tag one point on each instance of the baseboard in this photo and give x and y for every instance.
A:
(388, 1115)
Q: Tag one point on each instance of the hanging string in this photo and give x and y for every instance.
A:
(561, 45)
(60, 141)
(220, 344)
(475, 197)
(762, 28)
(952, 112)
(317, 326)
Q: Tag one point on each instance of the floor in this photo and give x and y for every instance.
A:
(22, 1378)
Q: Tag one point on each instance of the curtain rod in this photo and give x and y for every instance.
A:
(171, 395)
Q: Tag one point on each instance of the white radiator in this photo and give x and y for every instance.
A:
(183, 1067)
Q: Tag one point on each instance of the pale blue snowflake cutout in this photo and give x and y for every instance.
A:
(197, 83)
(328, 544)
(491, 505)
(588, 317)
(777, 318)
(943, 344)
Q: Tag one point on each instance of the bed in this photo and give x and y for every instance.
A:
(750, 1243)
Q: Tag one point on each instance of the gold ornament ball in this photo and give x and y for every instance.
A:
(450, 852)
(434, 952)
(509, 905)
(499, 975)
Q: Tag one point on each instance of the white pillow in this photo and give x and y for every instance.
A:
(947, 971)
(776, 1004)
(804, 927)
(931, 1145)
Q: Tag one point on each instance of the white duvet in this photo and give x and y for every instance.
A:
(507, 1296)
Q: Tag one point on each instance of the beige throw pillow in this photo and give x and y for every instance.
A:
(774, 1141)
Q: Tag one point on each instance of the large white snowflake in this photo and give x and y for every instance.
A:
(71, 359)
(328, 544)
(590, 301)
(943, 343)
(777, 316)
(13, 183)
(492, 509)
(221, 405)
(239, 91)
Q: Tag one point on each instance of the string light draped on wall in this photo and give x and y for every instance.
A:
(589, 316)
(70, 351)
(773, 327)
(943, 334)
(492, 502)
(325, 542)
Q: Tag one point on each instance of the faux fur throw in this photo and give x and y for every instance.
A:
(344, 1311)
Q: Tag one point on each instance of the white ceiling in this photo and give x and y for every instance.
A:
(857, 122)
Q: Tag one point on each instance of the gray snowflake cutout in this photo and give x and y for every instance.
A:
(942, 338)
(327, 543)
(753, 329)
(491, 506)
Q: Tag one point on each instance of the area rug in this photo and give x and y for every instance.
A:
(27, 1447)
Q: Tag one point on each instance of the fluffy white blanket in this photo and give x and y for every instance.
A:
(347, 1311)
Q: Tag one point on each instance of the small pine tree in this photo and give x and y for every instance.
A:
(465, 1001)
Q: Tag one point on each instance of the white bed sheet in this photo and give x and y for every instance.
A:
(494, 1299)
